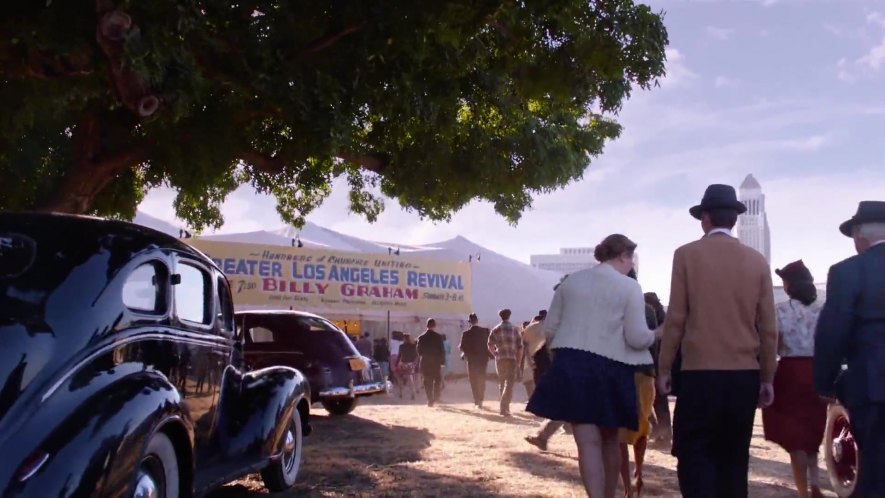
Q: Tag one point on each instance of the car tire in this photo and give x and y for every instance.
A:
(840, 452)
(281, 474)
(157, 473)
(340, 406)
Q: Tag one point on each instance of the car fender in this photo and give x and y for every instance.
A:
(94, 449)
(253, 411)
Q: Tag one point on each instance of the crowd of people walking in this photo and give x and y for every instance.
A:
(723, 349)
(604, 358)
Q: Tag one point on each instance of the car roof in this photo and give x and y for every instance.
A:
(40, 225)
(280, 312)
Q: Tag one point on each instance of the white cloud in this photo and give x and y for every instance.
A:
(718, 33)
(158, 203)
(725, 82)
(844, 72)
(766, 3)
(876, 18)
(875, 58)
(808, 144)
(678, 73)
(869, 63)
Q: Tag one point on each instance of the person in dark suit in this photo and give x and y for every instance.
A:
(474, 349)
(433, 356)
(851, 330)
(722, 317)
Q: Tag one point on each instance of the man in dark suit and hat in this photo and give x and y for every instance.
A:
(851, 331)
(722, 317)
(474, 348)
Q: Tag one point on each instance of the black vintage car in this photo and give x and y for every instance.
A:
(120, 371)
(337, 373)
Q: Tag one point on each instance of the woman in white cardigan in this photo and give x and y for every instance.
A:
(597, 331)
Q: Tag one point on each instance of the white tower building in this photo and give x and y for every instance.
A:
(753, 225)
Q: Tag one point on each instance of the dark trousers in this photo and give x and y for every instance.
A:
(868, 427)
(712, 429)
(541, 361)
(432, 374)
(663, 428)
(476, 371)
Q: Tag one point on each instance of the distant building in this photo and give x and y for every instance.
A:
(569, 260)
(752, 226)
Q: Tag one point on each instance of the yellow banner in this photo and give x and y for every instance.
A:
(306, 279)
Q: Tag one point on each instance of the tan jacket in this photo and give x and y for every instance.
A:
(534, 337)
(721, 309)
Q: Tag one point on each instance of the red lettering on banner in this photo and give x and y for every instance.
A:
(269, 285)
(378, 292)
(293, 287)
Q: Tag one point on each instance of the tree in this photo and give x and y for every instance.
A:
(428, 102)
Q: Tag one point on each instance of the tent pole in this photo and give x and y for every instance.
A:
(388, 326)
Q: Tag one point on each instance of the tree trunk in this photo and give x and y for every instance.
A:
(91, 172)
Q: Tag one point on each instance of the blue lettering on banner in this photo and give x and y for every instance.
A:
(309, 271)
(434, 280)
(356, 275)
(234, 266)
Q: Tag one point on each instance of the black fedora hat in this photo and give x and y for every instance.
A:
(718, 196)
(867, 212)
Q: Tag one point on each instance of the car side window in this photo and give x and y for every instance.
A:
(192, 295)
(144, 289)
(225, 306)
(261, 335)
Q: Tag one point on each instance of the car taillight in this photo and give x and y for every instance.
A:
(31, 465)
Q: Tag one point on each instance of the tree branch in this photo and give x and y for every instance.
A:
(376, 162)
(88, 178)
(324, 42)
(133, 89)
(272, 165)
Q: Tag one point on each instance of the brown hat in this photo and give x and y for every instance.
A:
(795, 272)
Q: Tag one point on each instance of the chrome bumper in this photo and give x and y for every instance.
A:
(353, 391)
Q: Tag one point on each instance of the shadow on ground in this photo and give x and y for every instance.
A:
(353, 456)
(491, 415)
(658, 481)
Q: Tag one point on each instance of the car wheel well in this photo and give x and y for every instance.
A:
(303, 408)
(180, 440)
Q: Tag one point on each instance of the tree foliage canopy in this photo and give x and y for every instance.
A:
(432, 103)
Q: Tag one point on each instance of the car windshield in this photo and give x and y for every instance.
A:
(37, 270)
(313, 336)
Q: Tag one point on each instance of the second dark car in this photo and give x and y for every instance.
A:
(337, 373)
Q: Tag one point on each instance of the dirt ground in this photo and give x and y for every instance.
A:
(391, 447)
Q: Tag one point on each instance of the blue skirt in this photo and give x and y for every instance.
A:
(581, 387)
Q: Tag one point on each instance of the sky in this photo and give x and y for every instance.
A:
(792, 91)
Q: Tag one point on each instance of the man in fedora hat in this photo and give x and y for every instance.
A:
(475, 350)
(851, 330)
(721, 316)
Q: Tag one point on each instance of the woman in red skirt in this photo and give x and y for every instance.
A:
(796, 419)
